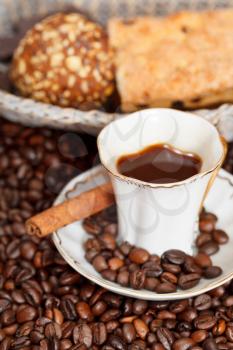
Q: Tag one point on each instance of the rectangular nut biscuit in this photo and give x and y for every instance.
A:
(183, 60)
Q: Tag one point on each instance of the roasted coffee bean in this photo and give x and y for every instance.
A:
(155, 258)
(175, 269)
(90, 254)
(151, 283)
(127, 307)
(117, 342)
(183, 344)
(92, 244)
(229, 333)
(199, 336)
(87, 291)
(32, 295)
(13, 249)
(58, 316)
(97, 296)
(123, 278)
(138, 344)
(203, 260)
(110, 315)
(219, 328)
(108, 241)
(220, 236)
(133, 267)
(99, 333)
(140, 307)
(188, 281)
(218, 293)
(183, 328)
(178, 306)
(212, 272)
(107, 347)
(112, 299)
(65, 344)
(118, 254)
(53, 330)
(141, 328)
(7, 317)
(28, 250)
(98, 308)
(26, 313)
(109, 275)
(10, 330)
(205, 321)
(20, 343)
(203, 238)
(115, 263)
(190, 266)
(139, 255)
(152, 269)
(157, 346)
(82, 335)
(147, 318)
(155, 324)
(84, 311)
(129, 333)
(210, 344)
(107, 254)
(111, 326)
(36, 337)
(166, 315)
(4, 304)
(137, 279)
(25, 329)
(202, 302)
(228, 301)
(165, 287)
(174, 256)
(100, 263)
(188, 315)
(125, 248)
(151, 338)
(168, 277)
(165, 337)
(91, 227)
(67, 329)
(69, 278)
(68, 309)
(207, 222)
(209, 248)
(111, 228)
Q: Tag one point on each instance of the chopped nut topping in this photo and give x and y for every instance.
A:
(73, 63)
(57, 59)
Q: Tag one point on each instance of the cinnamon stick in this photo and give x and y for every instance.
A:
(77, 208)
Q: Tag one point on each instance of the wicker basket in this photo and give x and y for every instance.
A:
(32, 113)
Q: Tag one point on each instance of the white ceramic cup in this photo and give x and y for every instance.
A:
(159, 217)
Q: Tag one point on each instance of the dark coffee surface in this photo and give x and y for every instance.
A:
(159, 163)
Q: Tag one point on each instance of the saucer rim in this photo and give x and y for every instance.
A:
(114, 287)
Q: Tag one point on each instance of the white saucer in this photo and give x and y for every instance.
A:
(69, 240)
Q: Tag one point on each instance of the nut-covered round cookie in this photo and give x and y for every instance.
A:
(65, 60)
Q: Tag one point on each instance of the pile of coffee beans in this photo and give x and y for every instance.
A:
(135, 267)
(45, 304)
